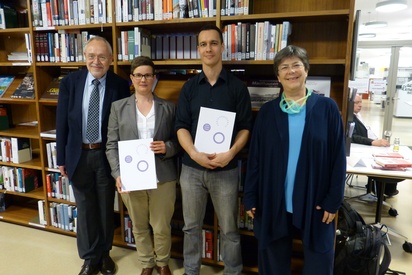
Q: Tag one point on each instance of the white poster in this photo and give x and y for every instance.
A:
(214, 130)
(137, 165)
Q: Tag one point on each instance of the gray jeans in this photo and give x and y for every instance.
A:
(223, 189)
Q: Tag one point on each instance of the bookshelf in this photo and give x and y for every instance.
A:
(323, 27)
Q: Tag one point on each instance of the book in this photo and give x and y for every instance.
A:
(25, 88)
(5, 81)
(262, 91)
(20, 150)
(8, 17)
(48, 134)
(52, 91)
(393, 162)
(387, 155)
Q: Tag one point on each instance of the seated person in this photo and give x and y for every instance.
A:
(363, 135)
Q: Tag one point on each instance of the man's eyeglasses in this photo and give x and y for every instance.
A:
(140, 76)
(286, 68)
(357, 102)
(101, 58)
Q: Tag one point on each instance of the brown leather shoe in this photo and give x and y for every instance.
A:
(163, 270)
(147, 271)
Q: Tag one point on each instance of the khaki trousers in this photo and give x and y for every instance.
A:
(151, 212)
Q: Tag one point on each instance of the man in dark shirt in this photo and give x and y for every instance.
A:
(211, 173)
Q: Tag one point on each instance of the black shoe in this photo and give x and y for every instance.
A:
(89, 269)
(394, 193)
(108, 267)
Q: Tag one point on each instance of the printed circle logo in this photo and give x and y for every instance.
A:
(207, 127)
(142, 166)
(222, 121)
(219, 138)
(128, 159)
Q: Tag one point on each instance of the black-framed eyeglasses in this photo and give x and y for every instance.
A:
(140, 76)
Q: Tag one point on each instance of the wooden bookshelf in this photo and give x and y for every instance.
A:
(323, 27)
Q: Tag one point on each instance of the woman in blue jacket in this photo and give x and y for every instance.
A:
(296, 171)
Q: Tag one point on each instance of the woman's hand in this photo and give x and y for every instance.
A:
(158, 147)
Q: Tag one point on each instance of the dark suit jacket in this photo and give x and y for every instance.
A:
(360, 133)
(123, 126)
(69, 115)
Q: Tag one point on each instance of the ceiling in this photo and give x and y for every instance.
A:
(399, 23)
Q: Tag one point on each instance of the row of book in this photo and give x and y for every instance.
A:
(24, 90)
(8, 16)
(59, 187)
(134, 43)
(17, 179)
(255, 41)
(62, 46)
(168, 46)
(62, 215)
(15, 149)
(207, 244)
(128, 230)
(51, 152)
(243, 41)
(48, 13)
(244, 221)
(235, 7)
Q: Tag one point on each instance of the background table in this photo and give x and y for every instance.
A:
(360, 162)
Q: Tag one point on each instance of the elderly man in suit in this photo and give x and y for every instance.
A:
(362, 134)
(144, 115)
(83, 109)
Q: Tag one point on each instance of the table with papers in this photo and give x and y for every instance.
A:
(361, 162)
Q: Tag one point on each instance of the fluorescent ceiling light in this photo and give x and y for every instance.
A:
(367, 35)
(391, 5)
(376, 24)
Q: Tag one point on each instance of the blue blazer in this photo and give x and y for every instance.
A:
(69, 115)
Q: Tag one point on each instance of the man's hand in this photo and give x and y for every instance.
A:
(222, 159)
(62, 169)
(204, 159)
(381, 143)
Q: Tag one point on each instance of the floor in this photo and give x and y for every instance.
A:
(31, 251)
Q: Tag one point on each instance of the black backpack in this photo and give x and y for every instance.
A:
(360, 248)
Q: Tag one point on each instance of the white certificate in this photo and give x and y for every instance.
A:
(214, 130)
(137, 165)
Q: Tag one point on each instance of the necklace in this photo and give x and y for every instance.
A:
(290, 106)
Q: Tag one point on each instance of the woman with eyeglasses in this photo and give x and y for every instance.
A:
(296, 171)
(144, 115)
